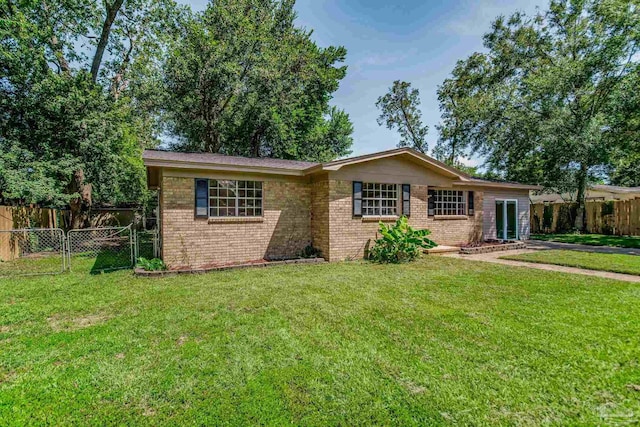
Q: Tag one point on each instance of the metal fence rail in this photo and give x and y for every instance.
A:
(49, 251)
(146, 244)
(32, 251)
(106, 248)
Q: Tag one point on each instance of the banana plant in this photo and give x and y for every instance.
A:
(399, 242)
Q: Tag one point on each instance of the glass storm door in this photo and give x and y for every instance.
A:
(507, 219)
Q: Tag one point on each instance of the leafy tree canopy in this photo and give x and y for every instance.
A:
(72, 125)
(400, 110)
(554, 100)
(242, 79)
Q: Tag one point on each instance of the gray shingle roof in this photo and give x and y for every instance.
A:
(616, 189)
(221, 159)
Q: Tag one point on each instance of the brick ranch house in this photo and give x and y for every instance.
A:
(217, 209)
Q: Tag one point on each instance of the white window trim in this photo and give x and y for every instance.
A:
(504, 216)
(380, 199)
(436, 203)
(237, 199)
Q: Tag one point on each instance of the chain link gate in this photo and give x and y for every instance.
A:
(147, 244)
(32, 251)
(101, 249)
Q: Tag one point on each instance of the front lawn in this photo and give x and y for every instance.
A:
(591, 239)
(440, 341)
(629, 264)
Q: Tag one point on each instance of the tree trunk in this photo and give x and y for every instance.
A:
(255, 144)
(111, 12)
(581, 197)
(79, 206)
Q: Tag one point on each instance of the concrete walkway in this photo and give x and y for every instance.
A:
(541, 245)
(494, 257)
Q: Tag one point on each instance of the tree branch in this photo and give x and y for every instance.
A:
(112, 12)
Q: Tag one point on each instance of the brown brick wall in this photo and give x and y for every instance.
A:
(320, 215)
(296, 213)
(456, 232)
(284, 230)
(350, 236)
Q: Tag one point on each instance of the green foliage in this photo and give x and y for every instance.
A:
(607, 208)
(242, 79)
(75, 114)
(566, 217)
(547, 217)
(400, 109)
(399, 243)
(310, 251)
(155, 264)
(554, 99)
(63, 124)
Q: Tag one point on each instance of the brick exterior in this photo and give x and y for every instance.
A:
(296, 213)
(320, 216)
(350, 236)
(284, 230)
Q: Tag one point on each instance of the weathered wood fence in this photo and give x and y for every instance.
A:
(620, 218)
(13, 218)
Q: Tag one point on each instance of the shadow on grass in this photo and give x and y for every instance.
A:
(591, 239)
(103, 262)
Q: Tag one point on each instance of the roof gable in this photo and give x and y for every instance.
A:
(414, 155)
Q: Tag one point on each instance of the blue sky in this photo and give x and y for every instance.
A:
(412, 40)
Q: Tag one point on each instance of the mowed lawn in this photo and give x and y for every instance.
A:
(441, 341)
(591, 239)
(617, 263)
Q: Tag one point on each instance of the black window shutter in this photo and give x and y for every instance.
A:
(406, 199)
(202, 198)
(357, 198)
(432, 202)
(470, 206)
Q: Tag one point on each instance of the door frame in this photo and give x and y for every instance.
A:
(504, 215)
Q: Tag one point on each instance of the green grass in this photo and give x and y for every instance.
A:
(38, 264)
(440, 341)
(591, 239)
(628, 264)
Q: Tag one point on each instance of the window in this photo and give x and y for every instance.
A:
(379, 199)
(235, 198)
(447, 202)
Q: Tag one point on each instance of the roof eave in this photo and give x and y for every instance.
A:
(180, 164)
(510, 185)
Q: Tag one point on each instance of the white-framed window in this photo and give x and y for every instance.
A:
(234, 198)
(447, 202)
(379, 199)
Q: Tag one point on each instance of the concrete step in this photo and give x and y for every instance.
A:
(442, 249)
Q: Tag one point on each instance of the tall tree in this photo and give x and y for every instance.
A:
(71, 131)
(544, 104)
(400, 110)
(243, 79)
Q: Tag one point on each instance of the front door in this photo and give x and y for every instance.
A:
(507, 219)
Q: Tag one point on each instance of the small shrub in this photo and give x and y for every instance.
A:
(607, 208)
(310, 252)
(155, 264)
(400, 243)
(566, 218)
(547, 218)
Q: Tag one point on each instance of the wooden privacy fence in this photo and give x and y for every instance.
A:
(13, 218)
(620, 218)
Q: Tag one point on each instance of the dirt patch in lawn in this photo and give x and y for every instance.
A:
(65, 323)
